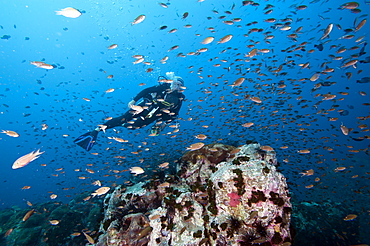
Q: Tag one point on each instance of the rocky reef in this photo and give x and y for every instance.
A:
(324, 223)
(50, 224)
(221, 195)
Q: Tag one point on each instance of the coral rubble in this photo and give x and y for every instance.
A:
(221, 195)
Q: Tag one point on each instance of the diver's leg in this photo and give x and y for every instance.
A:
(124, 119)
(88, 139)
(118, 121)
(141, 121)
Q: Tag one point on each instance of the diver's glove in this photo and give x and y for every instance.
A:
(131, 103)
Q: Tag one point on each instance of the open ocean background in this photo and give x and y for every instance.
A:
(295, 116)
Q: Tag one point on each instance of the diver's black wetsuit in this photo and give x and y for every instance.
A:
(159, 104)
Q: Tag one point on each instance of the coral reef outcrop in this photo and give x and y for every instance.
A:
(221, 195)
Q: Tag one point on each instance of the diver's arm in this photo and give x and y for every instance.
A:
(131, 103)
(141, 94)
(147, 91)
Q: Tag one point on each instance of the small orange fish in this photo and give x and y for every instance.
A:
(10, 133)
(350, 217)
(338, 169)
(164, 165)
(24, 160)
(154, 217)
(89, 170)
(327, 31)
(249, 124)
(208, 40)
(256, 99)
(234, 151)
(138, 109)
(264, 51)
(69, 12)
(144, 232)
(315, 77)
(225, 39)
(137, 61)
(163, 5)
(266, 148)
(54, 222)
(42, 65)
(350, 63)
(136, 170)
(138, 20)
(303, 151)
(120, 140)
(202, 50)
(195, 146)
(28, 215)
(164, 59)
(7, 233)
(238, 82)
(100, 191)
(308, 172)
(201, 136)
(361, 24)
(344, 129)
(89, 238)
(350, 5)
(252, 53)
(44, 127)
(113, 46)
(164, 185)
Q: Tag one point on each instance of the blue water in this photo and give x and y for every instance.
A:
(294, 116)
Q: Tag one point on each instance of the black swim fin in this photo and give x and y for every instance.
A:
(87, 140)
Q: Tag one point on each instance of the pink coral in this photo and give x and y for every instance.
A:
(234, 199)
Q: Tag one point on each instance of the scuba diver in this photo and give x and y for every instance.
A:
(159, 103)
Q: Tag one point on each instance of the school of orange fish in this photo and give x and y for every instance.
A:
(248, 92)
